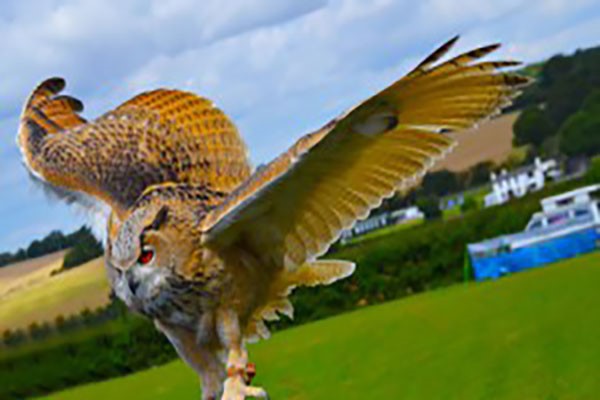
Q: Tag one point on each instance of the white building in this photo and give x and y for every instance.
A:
(580, 196)
(518, 183)
(406, 214)
(382, 220)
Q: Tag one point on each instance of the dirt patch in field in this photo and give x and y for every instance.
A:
(491, 141)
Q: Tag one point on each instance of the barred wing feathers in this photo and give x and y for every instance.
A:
(289, 212)
(162, 136)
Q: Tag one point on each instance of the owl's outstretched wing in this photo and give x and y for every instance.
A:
(290, 211)
(156, 137)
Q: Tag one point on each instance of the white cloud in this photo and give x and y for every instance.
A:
(280, 68)
(96, 43)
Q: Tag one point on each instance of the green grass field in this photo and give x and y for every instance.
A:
(530, 336)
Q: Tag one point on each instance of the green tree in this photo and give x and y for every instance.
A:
(593, 174)
(563, 84)
(86, 248)
(580, 134)
(5, 258)
(35, 249)
(14, 338)
(479, 174)
(430, 206)
(441, 183)
(532, 127)
(469, 204)
(60, 323)
(592, 102)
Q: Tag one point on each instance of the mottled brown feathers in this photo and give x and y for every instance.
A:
(207, 129)
(163, 136)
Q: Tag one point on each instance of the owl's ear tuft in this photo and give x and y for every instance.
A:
(159, 219)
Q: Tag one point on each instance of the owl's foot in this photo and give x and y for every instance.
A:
(237, 385)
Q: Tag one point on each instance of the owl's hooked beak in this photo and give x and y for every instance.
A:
(132, 281)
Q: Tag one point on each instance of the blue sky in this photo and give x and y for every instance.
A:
(280, 68)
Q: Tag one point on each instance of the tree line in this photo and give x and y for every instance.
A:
(561, 110)
(82, 244)
(42, 331)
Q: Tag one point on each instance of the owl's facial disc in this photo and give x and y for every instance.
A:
(132, 244)
(149, 254)
(141, 257)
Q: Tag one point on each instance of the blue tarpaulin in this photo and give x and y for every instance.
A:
(505, 261)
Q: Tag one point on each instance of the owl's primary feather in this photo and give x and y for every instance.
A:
(209, 251)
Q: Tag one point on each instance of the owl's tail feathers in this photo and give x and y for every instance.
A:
(321, 272)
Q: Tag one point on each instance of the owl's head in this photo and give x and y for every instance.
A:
(147, 255)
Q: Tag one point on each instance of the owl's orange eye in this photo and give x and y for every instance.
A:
(147, 255)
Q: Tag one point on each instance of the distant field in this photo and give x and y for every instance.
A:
(19, 275)
(533, 335)
(491, 141)
(33, 295)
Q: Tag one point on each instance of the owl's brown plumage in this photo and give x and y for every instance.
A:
(157, 137)
(210, 251)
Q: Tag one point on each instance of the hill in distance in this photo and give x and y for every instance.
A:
(30, 292)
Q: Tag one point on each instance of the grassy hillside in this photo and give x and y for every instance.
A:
(23, 274)
(530, 336)
(38, 296)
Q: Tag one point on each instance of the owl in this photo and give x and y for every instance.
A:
(210, 249)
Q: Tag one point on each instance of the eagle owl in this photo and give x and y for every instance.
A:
(209, 249)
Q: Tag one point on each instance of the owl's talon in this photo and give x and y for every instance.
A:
(237, 385)
(250, 372)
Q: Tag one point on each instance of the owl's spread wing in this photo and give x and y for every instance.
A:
(156, 137)
(290, 211)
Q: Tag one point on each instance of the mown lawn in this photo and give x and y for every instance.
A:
(534, 335)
